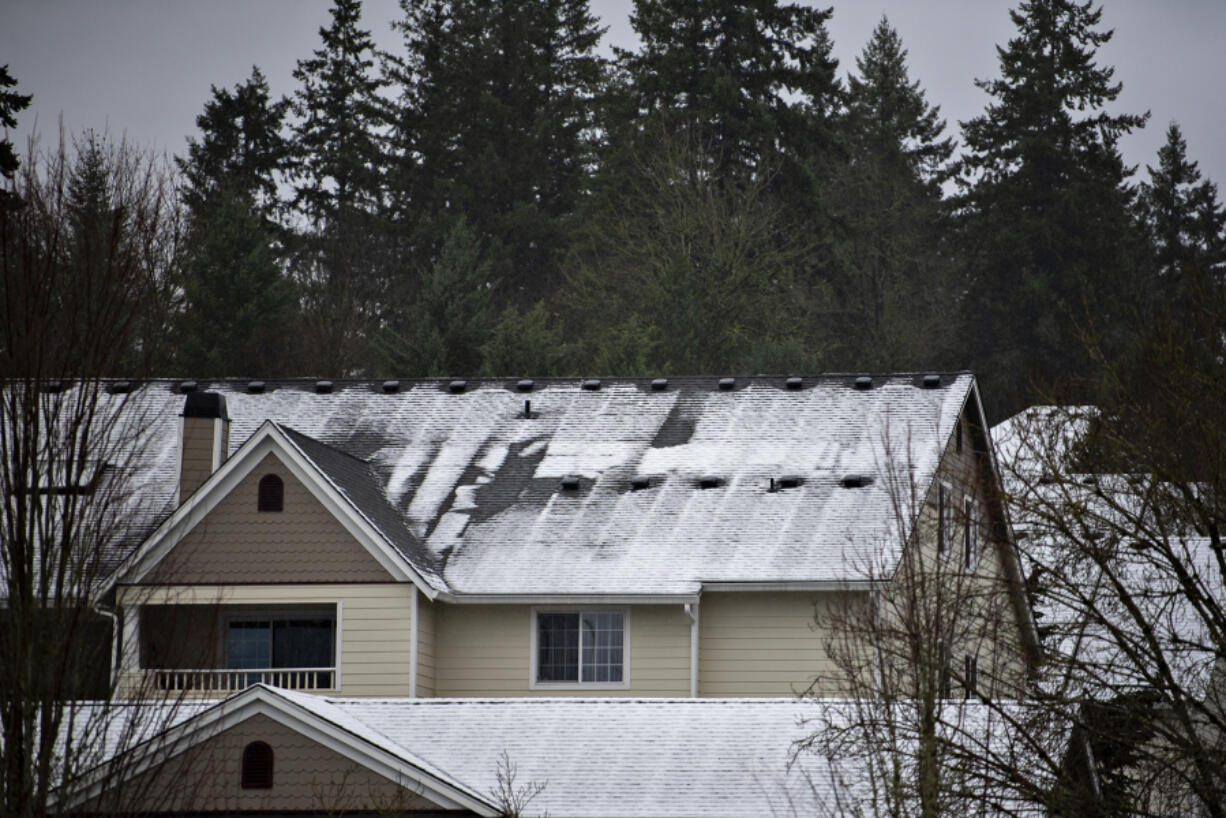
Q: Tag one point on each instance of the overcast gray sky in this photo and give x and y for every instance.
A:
(142, 68)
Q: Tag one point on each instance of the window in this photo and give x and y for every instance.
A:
(944, 534)
(970, 675)
(280, 642)
(970, 540)
(257, 766)
(581, 647)
(271, 493)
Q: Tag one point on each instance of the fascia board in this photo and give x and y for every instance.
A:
(261, 701)
(268, 439)
(568, 599)
(793, 585)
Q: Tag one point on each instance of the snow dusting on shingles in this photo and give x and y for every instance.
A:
(481, 484)
(615, 757)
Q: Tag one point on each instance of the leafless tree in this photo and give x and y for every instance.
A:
(86, 254)
(924, 711)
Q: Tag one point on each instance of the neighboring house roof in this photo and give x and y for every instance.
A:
(601, 757)
(469, 488)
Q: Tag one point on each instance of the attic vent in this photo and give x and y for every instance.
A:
(1094, 535)
(54, 386)
(659, 384)
(391, 387)
(856, 481)
(120, 387)
(794, 383)
(591, 384)
(709, 482)
(187, 386)
(525, 385)
(640, 482)
(323, 387)
(255, 388)
(1089, 480)
(570, 483)
(932, 381)
(456, 387)
(864, 382)
(789, 482)
(727, 384)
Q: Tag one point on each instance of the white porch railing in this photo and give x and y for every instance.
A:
(229, 680)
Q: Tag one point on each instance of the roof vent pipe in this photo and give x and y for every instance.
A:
(528, 409)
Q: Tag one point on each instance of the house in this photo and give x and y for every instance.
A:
(365, 548)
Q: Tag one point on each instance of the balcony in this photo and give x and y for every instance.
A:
(226, 681)
(216, 650)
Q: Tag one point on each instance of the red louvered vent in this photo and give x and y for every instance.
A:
(257, 766)
(271, 494)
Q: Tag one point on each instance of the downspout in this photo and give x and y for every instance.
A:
(691, 611)
(413, 645)
(115, 654)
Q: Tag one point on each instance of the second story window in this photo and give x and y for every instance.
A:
(944, 524)
(271, 494)
(970, 541)
(580, 647)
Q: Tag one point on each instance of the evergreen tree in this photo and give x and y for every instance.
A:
(337, 194)
(240, 146)
(749, 79)
(1186, 223)
(494, 126)
(1045, 207)
(236, 301)
(11, 103)
(892, 283)
(452, 315)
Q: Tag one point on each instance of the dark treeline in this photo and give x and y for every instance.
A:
(500, 199)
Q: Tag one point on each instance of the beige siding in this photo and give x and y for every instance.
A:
(307, 777)
(761, 643)
(237, 544)
(197, 454)
(485, 650)
(375, 619)
(425, 646)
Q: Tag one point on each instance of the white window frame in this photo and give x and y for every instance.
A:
(534, 648)
(970, 536)
(945, 528)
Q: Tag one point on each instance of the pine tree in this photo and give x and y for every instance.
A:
(1044, 206)
(236, 300)
(337, 194)
(11, 103)
(1185, 220)
(494, 126)
(748, 79)
(240, 147)
(892, 285)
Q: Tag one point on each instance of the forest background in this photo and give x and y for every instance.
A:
(725, 198)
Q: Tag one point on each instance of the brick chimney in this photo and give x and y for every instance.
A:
(205, 440)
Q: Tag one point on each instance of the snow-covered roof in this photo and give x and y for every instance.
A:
(481, 485)
(615, 757)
